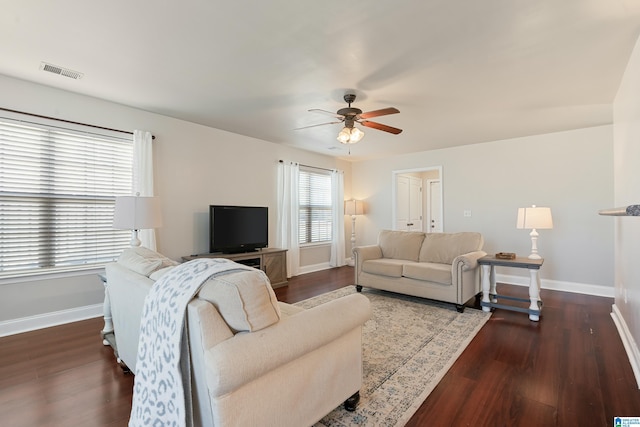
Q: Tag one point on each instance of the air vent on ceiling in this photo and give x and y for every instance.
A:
(60, 70)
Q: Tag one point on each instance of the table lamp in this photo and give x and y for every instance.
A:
(136, 213)
(534, 218)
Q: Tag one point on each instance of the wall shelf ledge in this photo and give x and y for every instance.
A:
(631, 210)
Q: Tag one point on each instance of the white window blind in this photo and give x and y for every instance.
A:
(57, 196)
(314, 207)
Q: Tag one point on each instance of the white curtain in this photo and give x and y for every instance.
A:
(287, 231)
(143, 177)
(337, 219)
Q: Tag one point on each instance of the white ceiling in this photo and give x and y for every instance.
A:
(459, 71)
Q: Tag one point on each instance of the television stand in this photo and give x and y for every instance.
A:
(272, 261)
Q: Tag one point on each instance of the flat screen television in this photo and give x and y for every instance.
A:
(234, 229)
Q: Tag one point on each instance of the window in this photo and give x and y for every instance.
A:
(57, 196)
(314, 207)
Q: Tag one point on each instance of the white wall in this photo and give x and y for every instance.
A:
(571, 172)
(195, 166)
(627, 192)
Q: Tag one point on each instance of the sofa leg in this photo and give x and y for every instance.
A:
(478, 300)
(358, 288)
(460, 308)
(352, 402)
(123, 366)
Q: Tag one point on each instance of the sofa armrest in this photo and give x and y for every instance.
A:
(248, 356)
(469, 260)
(362, 254)
(367, 252)
(127, 292)
(465, 275)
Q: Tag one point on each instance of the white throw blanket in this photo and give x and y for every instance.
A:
(162, 385)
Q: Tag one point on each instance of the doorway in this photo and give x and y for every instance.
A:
(417, 200)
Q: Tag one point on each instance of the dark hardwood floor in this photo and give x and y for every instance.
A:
(570, 369)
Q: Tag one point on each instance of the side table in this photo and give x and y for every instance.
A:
(490, 296)
(108, 337)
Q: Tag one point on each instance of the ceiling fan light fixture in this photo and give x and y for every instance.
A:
(350, 135)
(356, 134)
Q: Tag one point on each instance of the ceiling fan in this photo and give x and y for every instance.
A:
(351, 115)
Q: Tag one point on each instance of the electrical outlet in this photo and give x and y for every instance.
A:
(467, 213)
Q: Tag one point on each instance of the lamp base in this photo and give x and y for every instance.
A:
(135, 241)
(351, 261)
(534, 245)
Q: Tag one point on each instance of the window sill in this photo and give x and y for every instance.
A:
(314, 245)
(50, 275)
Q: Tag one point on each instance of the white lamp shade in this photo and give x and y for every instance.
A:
(353, 207)
(137, 213)
(534, 217)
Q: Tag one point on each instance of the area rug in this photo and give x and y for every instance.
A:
(409, 344)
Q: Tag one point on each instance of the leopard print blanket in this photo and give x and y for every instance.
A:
(162, 385)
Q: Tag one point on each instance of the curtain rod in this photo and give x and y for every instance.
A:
(69, 121)
(312, 167)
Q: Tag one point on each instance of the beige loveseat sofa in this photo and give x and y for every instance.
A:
(254, 360)
(439, 266)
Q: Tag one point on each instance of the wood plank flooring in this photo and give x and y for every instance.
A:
(569, 369)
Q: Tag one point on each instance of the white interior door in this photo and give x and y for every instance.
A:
(434, 205)
(408, 203)
(415, 204)
(402, 202)
(412, 199)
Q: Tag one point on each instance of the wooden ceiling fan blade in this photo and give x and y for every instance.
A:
(380, 126)
(327, 113)
(377, 113)
(320, 124)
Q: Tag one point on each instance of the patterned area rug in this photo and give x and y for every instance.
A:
(409, 344)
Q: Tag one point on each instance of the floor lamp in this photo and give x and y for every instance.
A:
(136, 213)
(353, 207)
(534, 218)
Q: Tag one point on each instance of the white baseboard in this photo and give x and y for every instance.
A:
(31, 323)
(315, 267)
(40, 321)
(557, 285)
(629, 343)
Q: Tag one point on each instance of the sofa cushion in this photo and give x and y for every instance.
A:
(445, 247)
(244, 299)
(400, 244)
(143, 260)
(384, 267)
(429, 271)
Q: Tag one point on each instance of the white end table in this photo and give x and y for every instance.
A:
(490, 296)
(108, 337)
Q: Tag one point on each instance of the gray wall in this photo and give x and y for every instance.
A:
(627, 192)
(194, 166)
(571, 172)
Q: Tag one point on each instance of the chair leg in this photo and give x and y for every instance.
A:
(352, 402)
